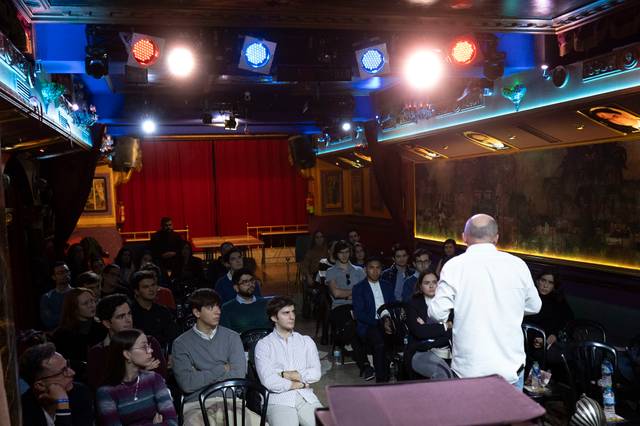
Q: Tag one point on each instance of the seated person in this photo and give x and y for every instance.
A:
(224, 285)
(449, 251)
(287, 364)
(131, 394)
(428, 340)
(217, 268)
(246, 311)
(322, 295)
(51, 301)
(164, 296)
(368, 295)
(154, 319)
(421, 263)
(124, 259)
(399, 271)
(190, 269)
(79, 330)
(111, 281)
(359, 255)
(165, 246)
(206, 354)
(91, 281)
(115, 314)
(53, 398)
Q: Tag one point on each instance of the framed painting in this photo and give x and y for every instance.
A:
(98, 200)
(615, 117)
(357, 201)
(332, 194)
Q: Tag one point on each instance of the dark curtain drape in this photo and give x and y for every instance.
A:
(387, 170)
(176, 180)
(70, 177)
(256, 184)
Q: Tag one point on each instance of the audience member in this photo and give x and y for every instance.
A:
(342, 276)
(111, 281)
(90, 280)
(114, 312)
(449, 250)
(317, 250)
(246, 311)
(190, 269)
(217, 268)
(51, 301)
(96, 265)
(490, 292)
(131, 394)
(164, 296)
(428, 340)
(322, 294)
(165, 245)
(77, 261)
(224, 286)
(353, 237)
(53, 398)
(399, 271)
(359, 255)
(206, 354)
(368, 295)
(287, 364)
(421, 263)
(150, 317)
(78, 329)
(124, 259)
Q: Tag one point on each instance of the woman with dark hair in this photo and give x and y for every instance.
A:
(428, 340)
(78, 330)
(76, 261)
(449, 250)
(189, 269)
(124, 259)
(359, 255)
(132, 395)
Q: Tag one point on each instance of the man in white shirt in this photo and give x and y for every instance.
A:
(287, 363)
(490, 291)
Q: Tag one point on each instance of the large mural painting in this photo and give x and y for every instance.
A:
(580, 203)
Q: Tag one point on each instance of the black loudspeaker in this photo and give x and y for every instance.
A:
(126, 154)
(302, 152)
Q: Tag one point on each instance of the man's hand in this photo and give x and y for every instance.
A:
(155, 363)
(420, 321)
(387, 325)
(54, 392)
(551, 339)
(157, 419)
(294, 376)
(298, 385)
(449, 325)
(227, 367)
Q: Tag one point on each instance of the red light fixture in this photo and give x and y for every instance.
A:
(463, 51)
(145, 52)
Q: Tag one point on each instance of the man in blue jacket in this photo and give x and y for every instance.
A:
(368, 295)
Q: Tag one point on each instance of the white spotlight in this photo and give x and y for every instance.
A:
(180, 61)
(346, 126)
(423, 69)
(148, 126)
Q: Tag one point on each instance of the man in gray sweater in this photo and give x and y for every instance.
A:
(206, 354)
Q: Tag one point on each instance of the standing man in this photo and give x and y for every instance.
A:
(287, 363)
(165, 245)
(422, 262)
(399, 271)
(490, 291)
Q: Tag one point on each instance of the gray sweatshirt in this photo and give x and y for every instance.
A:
(198, 363)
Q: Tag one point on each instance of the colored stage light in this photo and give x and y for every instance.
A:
(372, 60)
(257, 55)
(145, 52)
(148, 126)
(463, 51)
(346, 126)
(423, 69)
(180, 61)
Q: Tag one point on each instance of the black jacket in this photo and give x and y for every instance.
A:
(80, 401)
(423, 337)
(554, 315)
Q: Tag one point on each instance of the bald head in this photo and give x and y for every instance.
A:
(480, 228)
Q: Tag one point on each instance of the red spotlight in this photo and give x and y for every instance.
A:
(463, 51)
(145, 52)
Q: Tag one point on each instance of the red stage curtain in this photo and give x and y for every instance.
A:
(256, 184)
(176, 180)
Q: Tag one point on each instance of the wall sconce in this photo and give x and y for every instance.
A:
(545, 71)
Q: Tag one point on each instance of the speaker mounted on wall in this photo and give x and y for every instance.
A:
(302, 151)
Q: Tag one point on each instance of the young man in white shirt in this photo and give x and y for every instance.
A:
(490, 291)
(287, 364)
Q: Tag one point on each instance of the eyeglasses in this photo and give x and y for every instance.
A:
(66, 370)
(348, 279)
(146, 348)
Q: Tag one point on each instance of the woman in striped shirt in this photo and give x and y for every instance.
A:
(131, 395)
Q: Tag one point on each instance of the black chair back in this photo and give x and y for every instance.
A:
(588, 358)
(249, 340)
(235, 393)
(530, 333)
(585, 331)
(397, 312)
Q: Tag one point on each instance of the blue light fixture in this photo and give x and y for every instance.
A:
(373, 61)
(257, 55)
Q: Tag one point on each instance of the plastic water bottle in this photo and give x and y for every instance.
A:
(607, 372)
(536, 376)
(609, 402)
(337, 356)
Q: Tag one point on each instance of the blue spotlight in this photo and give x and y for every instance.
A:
(257, 55)
(372, 61)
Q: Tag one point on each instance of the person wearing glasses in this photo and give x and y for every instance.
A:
(422, 263)
(53, 398)
(131, 394)
(246, 311)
